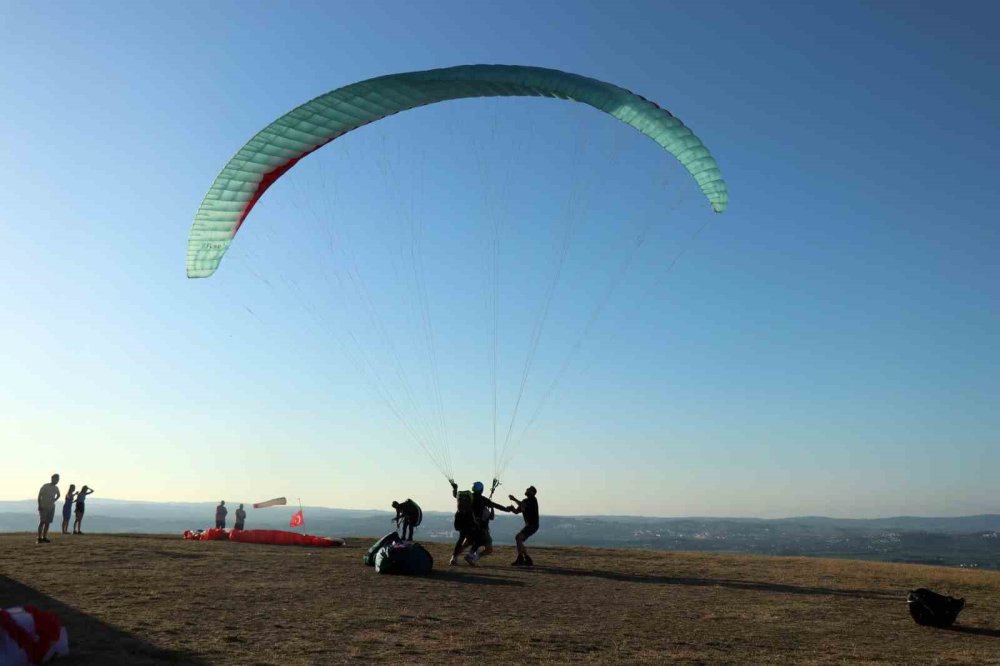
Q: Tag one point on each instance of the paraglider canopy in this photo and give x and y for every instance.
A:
(280, 145)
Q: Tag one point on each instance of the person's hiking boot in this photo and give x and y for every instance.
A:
(39, 540)
(453, 561)
(519, 562)
(471, 559)
(528, 562)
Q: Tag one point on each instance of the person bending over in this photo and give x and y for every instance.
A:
(408, 514)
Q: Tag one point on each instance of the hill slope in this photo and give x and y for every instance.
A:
(155, 600)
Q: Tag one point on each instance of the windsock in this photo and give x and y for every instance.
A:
(277, 501)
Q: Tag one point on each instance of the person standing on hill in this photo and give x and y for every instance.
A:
(528, 507)
(409, 514)
(241, 517)
(47, 496)
(220, 515)
(465, 524)
(68, 508)
(482, 513)
(81, 507)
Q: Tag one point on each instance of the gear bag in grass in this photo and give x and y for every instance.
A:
(933, 609)
(369, 557)
(405, 558)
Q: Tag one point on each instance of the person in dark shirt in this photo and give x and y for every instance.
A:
(528, 507)
(81, 507)
(68, 508)
(482, 513)
(409, 514)
(241, 517)
(220, 515)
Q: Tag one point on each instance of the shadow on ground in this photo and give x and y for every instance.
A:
(721, 582)
(463, 577)
(977, 631)
(92, 641)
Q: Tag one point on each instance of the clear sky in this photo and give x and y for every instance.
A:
(829, 345)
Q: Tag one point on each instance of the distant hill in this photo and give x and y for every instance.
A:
(964, 540)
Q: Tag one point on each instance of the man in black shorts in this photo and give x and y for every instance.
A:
(528, 507)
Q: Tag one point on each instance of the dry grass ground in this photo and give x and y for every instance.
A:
(154, 600)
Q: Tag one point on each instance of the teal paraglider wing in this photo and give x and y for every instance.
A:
(280, 145)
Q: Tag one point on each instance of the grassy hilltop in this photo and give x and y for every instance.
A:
(158, 600)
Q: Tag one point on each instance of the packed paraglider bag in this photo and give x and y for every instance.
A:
(933, 609)
(405, 558)
(465, 521)
(388, 539)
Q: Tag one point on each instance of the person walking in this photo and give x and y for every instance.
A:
(68, 508)
(47, 496)
(81, 507)
(220, 515)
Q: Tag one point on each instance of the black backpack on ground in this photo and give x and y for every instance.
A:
(932, 609)
(404, 558)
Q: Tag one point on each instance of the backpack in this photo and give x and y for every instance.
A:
(405, 558)
(464, 520)
(411, 510)
(932, 609)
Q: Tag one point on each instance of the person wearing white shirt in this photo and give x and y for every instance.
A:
(47, 496)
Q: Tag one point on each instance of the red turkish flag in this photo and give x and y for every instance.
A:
(297, 519)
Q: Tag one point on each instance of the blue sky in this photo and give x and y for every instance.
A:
(827, 346)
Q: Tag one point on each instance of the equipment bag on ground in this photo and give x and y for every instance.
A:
(933, 609)
(405, 558)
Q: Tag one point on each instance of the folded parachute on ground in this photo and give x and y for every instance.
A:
(266, 537)
(283, 538)
(30, 636)
(211, 534)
